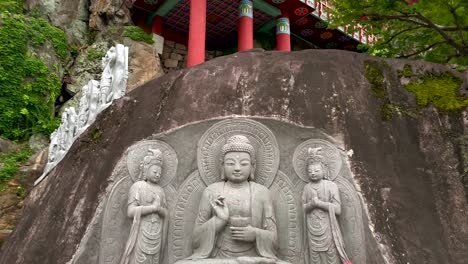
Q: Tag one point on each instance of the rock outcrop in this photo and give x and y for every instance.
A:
(407, 166)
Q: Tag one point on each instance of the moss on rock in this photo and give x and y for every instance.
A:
(406, 72)
(440, 90)
(138, 34)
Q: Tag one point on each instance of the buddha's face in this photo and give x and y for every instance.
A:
(237, 166)
(153, 174)
(315, 172)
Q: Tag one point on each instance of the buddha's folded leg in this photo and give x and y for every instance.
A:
(255, 260)
(207, 261)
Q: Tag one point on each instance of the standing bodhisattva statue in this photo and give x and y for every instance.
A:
(147, 207)
(236, 220)
(322, 205)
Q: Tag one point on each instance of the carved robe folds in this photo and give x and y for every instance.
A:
(324, 240)
(148, 231)
(256, 211)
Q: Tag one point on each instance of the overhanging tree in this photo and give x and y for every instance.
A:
(434, 30)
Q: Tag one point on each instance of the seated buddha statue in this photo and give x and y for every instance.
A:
(236, 219)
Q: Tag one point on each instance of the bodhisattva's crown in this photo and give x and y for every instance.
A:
(238, 143)
(154, 157)
(313, 156)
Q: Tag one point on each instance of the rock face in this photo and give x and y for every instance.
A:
(144, 63)
(71, 16)
(407, 168)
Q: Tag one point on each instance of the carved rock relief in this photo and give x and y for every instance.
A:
(116, 224)
(183, 200)
(350, 219)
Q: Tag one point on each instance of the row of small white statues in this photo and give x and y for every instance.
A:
(236, 223)
(96, 96)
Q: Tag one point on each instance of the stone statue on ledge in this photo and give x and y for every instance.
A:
(236, 219)
(147, 206)
(322, 205)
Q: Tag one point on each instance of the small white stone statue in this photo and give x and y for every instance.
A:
(114, 75)
(83, 109)
(95, 98)
(322, 204)
(94, 107)
(71, 128)
(147, 206)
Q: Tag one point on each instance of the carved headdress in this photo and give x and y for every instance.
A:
(153, 157)
(239, 143)
(314, 156)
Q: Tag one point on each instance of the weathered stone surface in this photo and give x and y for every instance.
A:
(87, 67)
(171, 63)
(38, 142)
(176, 56)
(104, 13)
(144, 63)
(169, 43)
(407, 169)
(70, 15)
(11, 198)
(6, 146)
(158, 43)
(180, 46)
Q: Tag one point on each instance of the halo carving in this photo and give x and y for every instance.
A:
(329, 151)
(263, 140)
(137, 151)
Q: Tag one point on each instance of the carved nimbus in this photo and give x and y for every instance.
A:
(332, 220)
(233, 157)
(213, 209)
(136, 215)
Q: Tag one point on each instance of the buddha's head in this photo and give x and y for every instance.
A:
(317, 169)
(151, 166)
(238, 159)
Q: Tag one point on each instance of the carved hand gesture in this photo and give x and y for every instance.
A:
(313, 202)
(161, 211)
(244, 233)
(220, 208)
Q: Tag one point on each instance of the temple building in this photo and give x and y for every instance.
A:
(240, 25)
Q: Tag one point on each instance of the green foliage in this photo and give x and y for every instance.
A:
(441, 91)
(406, 72)
(28, 88)
(434, 30)
(11, 163)
(94, 54)
(138, 34)
(12, 6)
(96, 134)
(21, 192)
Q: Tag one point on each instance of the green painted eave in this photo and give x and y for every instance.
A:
(162, 11)
(267, 27)
(267, 8)
(167, 6)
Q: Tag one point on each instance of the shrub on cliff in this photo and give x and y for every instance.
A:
(28, 87)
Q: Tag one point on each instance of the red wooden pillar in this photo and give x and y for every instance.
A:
(245, 35)
(197, 33)
(157, 25)
(283, 33)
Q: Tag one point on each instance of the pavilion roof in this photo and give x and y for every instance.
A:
(308, 21)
